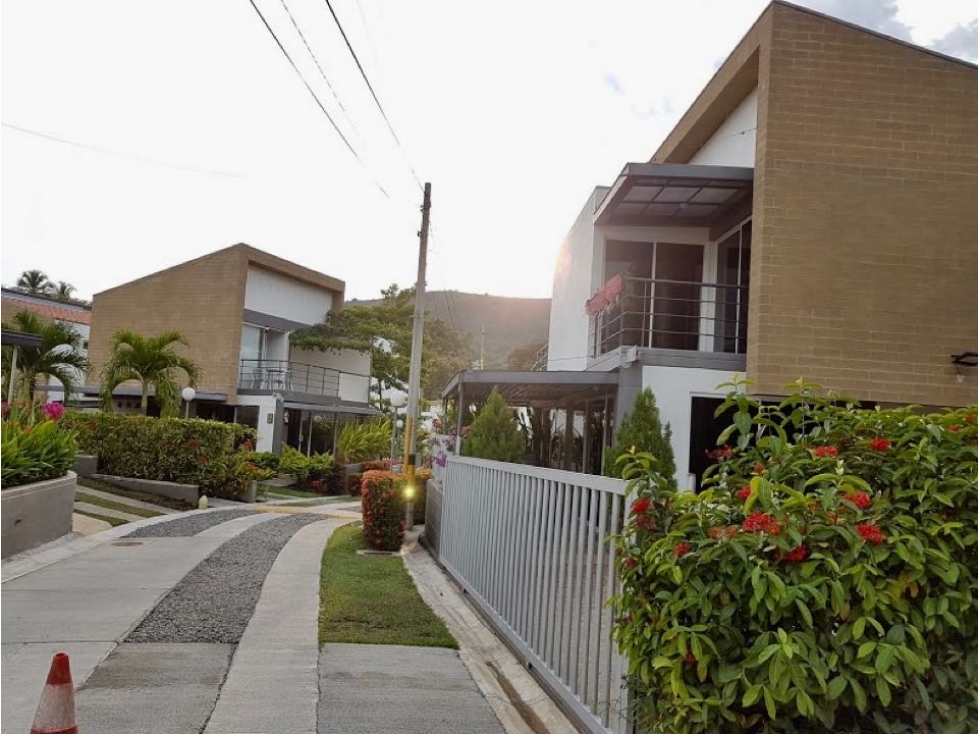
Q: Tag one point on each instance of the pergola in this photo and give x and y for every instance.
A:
(569, 392)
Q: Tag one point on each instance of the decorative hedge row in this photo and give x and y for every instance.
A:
(824, 580)
(193, 451)
(383, 509)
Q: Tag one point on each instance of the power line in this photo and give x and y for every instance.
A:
(312, 93)
(371, 88)
(119, 154)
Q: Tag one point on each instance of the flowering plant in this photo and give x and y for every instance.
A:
(837, 594)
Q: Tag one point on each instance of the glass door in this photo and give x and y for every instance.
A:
(678, 272)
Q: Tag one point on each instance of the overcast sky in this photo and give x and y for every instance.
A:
(190, 132)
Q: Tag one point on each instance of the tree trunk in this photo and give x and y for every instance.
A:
(144, 402)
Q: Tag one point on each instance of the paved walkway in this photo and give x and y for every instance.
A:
(124, 609)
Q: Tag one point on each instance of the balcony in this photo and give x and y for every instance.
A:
(275, 375)
(658, 313)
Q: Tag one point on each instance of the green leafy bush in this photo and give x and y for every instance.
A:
(358, 442)
(264, 460)
(383, 510)
(333, 481)
(642, 431)
(314, 472)
(354, 482)
(163, 449)
(35, 453)
(494, 433)
(294, 463)
(825, 580)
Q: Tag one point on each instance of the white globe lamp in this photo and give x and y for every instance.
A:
(188, 394)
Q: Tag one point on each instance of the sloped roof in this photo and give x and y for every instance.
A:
(12, 303)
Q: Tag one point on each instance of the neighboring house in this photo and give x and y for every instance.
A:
(76, 315)
(813, 214)
(236, 308)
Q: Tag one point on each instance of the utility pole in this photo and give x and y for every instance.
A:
(482, 349)
(414, 376)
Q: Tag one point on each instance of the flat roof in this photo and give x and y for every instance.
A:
(674, 194)
(20, 339)
(556, 388)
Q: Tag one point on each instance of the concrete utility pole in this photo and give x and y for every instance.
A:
(415, 375)
(482, 349)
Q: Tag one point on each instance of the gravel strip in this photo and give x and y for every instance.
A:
(184, 527)
(215, 601)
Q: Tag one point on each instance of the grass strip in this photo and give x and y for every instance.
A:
(110, 505)
(372, 599)
(273, 491)
(113, 521)
(135, 494)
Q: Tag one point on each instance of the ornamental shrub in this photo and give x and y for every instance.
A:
(824, 580)
(264, 460)
(383, 509)
(642, 431)
(494, 433)
(35, 453)
(358, 442)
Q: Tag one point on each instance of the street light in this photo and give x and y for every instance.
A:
(188, 394)
(398, 400)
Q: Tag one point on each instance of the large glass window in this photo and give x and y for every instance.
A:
(733, 277)
(252, 338)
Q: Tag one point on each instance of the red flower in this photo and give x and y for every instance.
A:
(970, 417)
(743, 493)
(860, 499)
(728, 531)
(640, 506)
(720, 454)
(871, 533)
(758, 522)
(796, 555)
(880, 444)
(630, 562)
(681, 549)
(822, 452)
(955, 428)
(691, 660)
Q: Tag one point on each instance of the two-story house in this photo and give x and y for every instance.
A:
(236, 308)
(813, 214)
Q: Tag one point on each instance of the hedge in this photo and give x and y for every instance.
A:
(383, 510)
(824, 580)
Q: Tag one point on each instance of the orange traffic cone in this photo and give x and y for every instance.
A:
(56, 710)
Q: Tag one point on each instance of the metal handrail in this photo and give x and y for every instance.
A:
(282, 374)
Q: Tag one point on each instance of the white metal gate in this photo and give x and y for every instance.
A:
(528, 545)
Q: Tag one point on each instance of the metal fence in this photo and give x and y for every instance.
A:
(530, 547)
(281, 374)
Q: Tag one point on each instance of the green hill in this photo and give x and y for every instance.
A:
(509, 322)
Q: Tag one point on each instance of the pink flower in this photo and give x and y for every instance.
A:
(54, 411)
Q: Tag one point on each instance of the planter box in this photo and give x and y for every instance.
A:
(86, 465)
(37, 513)
(186, 492)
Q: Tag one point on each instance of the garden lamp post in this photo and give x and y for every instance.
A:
(188, 394)
(398, 400)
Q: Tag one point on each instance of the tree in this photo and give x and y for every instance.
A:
(59, 355)
(34, 282)
(494, 434)
(524, 357)
(62, 291)
(643, 430)
(152, 361)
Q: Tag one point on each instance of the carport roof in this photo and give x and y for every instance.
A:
(558, 389)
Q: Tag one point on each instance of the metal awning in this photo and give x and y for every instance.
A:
(20, 339)
(557, 389)
(135, 391)
(656, 194)
(333, 408)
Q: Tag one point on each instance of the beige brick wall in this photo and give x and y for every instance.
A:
(864, 252)
(202, 299)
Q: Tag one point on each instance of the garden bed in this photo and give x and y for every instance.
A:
(36, 513)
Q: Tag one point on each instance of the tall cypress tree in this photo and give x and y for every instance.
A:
(643, 430)
(494, 433)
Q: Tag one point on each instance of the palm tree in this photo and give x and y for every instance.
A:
(34, 282)
(152, 361)
(62, 291)
(59, 355)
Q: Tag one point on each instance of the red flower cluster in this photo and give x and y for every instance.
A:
(727, 531)
(955, 429)
(743, 493)
(796, 555)
(630, 562)
(681, 549)
(871, 533)
(880, 444)
(640, 506)
(860, 499)
(761, 522)
(823, 452)
(720, 454)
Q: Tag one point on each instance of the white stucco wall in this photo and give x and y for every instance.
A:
(277, 295)
(674, 387)
(733, 143)
(576, 276)
(355, 368)
(266, 408)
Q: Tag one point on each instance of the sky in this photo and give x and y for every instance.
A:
(139, 135)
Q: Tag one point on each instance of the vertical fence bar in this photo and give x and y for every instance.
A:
(612, 684)
(530, 602)
(574, 554)
(563, 604)
(597, 599)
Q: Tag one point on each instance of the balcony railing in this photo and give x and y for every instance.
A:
(280, 374)
(673, 314)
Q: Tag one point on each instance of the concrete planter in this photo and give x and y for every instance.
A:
(86, 465)
(186, 492)
(251, 492)
(36, 513)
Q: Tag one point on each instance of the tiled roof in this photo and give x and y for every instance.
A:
(12, 304)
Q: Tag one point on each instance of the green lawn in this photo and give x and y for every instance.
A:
(290, 492)
(110, 505)
(135, 495)
(372, 599)
(113, 521)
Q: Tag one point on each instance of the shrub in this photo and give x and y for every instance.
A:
(494, 434)
(163, 449)
(642, 431)
(383, 509)
(310, 471)
(35, 453)
(264, 460)
(379, 465)
(825, 580)
(333, 482)
(353, 483)
(294, 463)
(362, 441)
